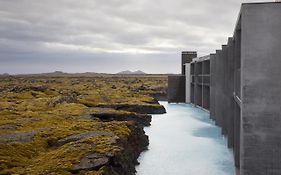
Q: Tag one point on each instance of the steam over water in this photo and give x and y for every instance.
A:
(185, 142)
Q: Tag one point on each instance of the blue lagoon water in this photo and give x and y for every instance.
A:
(185, 142)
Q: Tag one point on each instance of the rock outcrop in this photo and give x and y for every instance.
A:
(143, 119)
(81, 136)
(138, 108)
(92, 161)
(19, 137)
(122, 162)
(75, 125)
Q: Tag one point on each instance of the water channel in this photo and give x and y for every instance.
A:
(184, 141)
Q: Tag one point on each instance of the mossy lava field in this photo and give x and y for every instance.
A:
(76, 125)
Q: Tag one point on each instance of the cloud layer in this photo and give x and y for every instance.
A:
(111, 35)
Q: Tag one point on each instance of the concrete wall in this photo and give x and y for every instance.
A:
(246, 89)
(218, 87)
(261, 89)
(244, 93)
(230, 90)
(206, 84)
(176, 89)
(198, 88)
(186, 57)
(200, 84)
(237, 93)
(192, 83)
(187, 83)
(212, 86)
(225, 107)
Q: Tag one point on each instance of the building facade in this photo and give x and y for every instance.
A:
(240, 85)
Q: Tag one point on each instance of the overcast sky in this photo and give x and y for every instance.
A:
(110, 35)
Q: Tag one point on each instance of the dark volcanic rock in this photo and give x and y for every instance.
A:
(143, 119)
(141, 109)
(91, 162)
(160, 96)
(121, 162)
(77, 137)
(124, 162)
(18, 89)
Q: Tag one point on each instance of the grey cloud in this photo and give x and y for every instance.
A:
(63, 32)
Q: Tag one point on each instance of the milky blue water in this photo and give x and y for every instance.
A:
(185, 142)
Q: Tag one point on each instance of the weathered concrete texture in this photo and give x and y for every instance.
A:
(244, 93)
(261, 89)
(176, 89)
(192, 83)
(186, 57)
(200, 84)
(230, 89)
(222, 101)
(206, 84)
(219, 82)
(212, 86)
(237, 94)
(224, 82)
(192, 93)
(206, 97)
(198, 81)
(237, 128)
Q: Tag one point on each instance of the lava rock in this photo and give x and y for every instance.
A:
(77, 137)
(91, 162)
(143, 119)
(19, 137)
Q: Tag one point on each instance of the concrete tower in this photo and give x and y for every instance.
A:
(186, 57)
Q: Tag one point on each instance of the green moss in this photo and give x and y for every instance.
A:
(109, 111)
(119, 128)
(30, 111)
(65, 109)
(37, 157)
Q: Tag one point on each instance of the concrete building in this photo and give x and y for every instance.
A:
(177, 87)
(186, 57)
(240, 86)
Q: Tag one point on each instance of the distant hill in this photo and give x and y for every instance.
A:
(56, 73)
(64, 74)
(88, 74)
(128, 72)
(4, 75)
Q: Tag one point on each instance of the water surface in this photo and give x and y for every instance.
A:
(185, 142)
